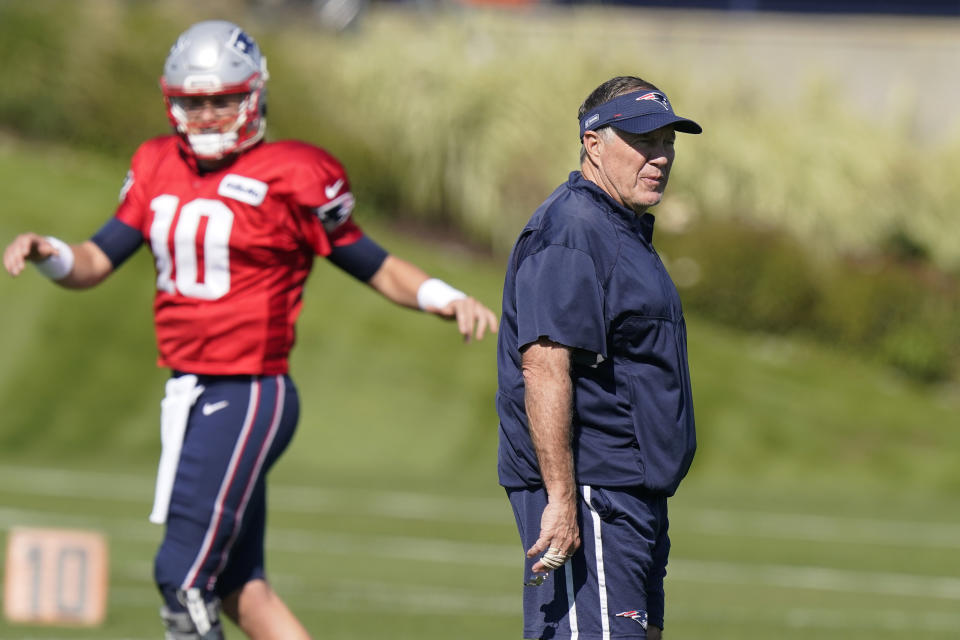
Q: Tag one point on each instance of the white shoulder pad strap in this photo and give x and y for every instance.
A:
(181, 394)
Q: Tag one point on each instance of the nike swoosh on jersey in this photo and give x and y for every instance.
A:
(333, 189)
(212, 407)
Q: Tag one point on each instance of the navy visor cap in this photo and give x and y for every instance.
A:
(637, 112)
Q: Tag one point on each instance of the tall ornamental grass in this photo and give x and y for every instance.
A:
(468, 118)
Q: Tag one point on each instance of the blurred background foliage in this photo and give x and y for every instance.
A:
(812, 230)
(799, 211)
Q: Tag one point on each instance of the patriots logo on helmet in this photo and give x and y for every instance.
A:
(243, 43)
(639, 616)
(659, 98)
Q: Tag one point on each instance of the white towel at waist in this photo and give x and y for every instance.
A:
(181, 394)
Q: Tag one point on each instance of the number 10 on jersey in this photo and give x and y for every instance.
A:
(199, 265)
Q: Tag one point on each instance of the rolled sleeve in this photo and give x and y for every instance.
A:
(560, 298)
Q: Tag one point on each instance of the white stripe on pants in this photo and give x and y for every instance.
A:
(601, 576)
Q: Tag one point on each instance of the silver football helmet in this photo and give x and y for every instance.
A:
(211, 59)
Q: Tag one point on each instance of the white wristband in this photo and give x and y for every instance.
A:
(437, 294)
(58, 266)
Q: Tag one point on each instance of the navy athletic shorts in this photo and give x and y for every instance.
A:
(236, 430)
(612, 587)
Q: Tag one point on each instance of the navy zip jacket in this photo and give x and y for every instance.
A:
(584, 274)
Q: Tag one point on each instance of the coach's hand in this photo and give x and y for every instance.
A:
(473, 318)
(559, 535)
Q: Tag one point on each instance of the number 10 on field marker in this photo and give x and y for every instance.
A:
(56, 576)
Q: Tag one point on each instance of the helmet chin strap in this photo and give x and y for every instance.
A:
(212, 145)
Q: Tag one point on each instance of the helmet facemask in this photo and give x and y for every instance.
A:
(210, 67)
(232, 127)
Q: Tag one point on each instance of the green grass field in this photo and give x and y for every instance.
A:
(402, 561)
(823, 502)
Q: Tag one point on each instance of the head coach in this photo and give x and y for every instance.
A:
(594, 399)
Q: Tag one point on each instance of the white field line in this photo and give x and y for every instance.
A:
(361, 596)
(818, 528)
(888, 620)
(815, 578)
(357, 596)
(470, 554)
(105, 486)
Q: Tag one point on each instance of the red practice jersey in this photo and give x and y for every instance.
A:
(233, 248)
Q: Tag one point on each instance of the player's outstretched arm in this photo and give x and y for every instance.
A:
(72, 266)
(406, 284)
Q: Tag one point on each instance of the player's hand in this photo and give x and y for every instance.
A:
(559, 535)
(473, 318)
(26, 247)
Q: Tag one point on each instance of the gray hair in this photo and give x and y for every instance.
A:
(606, 92)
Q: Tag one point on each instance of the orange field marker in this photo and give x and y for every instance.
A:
(56, 577)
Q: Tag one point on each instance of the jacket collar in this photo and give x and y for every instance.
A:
(642, 225)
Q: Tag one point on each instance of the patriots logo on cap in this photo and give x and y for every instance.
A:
(656, 97)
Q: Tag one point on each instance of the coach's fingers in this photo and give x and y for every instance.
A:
(554, 558)
(555, 553)
(559, 536)
(558, 528)
(541, 545)
(566, 540)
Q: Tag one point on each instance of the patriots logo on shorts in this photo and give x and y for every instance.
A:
(659, 98)
(639, 616)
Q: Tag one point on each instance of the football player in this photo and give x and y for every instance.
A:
(234, 223)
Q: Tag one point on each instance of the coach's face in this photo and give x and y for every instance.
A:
(632, 168)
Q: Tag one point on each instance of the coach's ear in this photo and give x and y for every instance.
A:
(592, 144)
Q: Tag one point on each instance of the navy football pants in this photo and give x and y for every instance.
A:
(237, 429)
(612, 586)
